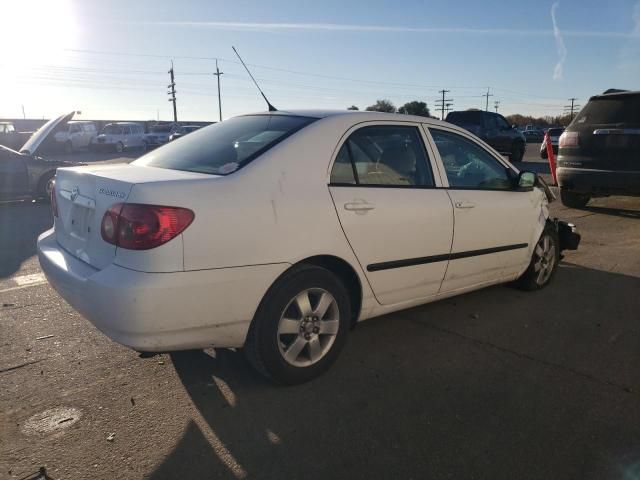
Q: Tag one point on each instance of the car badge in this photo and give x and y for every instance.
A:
(74, 193)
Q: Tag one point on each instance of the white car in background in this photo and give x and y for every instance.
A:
(78, 135)
(120, 136)
(276, 232)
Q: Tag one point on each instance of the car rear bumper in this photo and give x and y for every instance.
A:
(599, 182)
(160, 311)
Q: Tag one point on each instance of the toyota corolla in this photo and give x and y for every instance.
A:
(277, 232)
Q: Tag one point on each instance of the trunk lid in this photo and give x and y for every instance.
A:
(84, 194)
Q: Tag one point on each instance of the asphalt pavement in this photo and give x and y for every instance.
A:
(494, 384)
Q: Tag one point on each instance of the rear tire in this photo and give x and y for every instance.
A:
(300, 326)
(573, 200)
(517, 152)
(68, 147)
(544, 262)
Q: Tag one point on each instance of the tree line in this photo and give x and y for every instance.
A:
(420, 108)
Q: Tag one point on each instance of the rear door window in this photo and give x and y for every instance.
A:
(224, 147)
(385, 155)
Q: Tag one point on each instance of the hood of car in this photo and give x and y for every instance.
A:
(46, 131)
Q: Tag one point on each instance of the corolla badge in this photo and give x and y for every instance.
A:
(111, 193)
(74, 193)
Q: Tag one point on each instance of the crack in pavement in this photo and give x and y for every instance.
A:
(557, 366)
(16, 367)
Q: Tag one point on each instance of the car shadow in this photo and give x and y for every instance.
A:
(497, 383)
(20, 225)
(616, 212)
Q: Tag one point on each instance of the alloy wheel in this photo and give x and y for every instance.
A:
(545, 259)
(308, 327)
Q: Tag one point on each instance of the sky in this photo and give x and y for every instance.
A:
(110, 59)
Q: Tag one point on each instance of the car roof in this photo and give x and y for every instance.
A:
(616, 94)
(123, 123)
(361, 115)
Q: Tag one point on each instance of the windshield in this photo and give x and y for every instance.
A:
(224, 147)
(620, 109)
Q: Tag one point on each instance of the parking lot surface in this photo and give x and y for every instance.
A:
(494, 384)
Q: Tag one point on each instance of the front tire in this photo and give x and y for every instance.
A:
(45, 186)
(119, 147)
(300, 326)
(68, 147)
(544, 261)
(573, 200)
(517, 152)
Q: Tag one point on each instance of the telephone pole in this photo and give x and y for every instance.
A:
(172, 93)
(217, 74)
(571, 108)
(486, 107)
(442, 104)
(496, 104)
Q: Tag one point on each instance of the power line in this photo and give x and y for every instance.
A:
(217, 74)
(486, 108)
(443, 103)
(570, 108)
(172, 92)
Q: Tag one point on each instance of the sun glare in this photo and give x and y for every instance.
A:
(40, 30)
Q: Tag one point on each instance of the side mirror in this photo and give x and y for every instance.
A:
(526, 180)
(514, 126)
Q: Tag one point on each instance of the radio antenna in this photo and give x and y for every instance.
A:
(271, 107)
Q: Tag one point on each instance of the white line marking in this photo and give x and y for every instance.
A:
(29, 279)
(20, 288)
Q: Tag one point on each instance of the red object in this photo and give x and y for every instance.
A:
(137, 226)
(551, 157)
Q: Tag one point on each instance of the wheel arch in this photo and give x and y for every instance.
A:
(339, 267)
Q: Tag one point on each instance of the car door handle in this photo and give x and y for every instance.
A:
(359, 206)
(465, 204)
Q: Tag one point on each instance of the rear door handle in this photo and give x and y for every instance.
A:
(359, 206)
(465, 204)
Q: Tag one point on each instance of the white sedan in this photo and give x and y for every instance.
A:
(278, 231)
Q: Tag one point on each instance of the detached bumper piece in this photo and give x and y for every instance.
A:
(568, 235)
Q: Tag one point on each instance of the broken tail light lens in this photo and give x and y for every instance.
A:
(141, 227)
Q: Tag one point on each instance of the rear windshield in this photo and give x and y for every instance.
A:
(555, 132)
(459, 118)
(622, 109)
(224, 147)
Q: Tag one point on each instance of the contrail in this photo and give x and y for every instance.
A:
(562, 50)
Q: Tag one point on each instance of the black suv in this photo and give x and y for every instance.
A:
(493, 129)
(599, 152)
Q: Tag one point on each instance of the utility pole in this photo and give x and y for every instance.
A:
(217, 74)
(496, 104)
(24, 115)
(486, 107)
(443, 103)
(571, 108)
(172, 92)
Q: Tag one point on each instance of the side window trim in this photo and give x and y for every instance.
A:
(431, 165)
(445, 180)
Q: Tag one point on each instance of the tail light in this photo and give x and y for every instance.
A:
(141, 227)
(569, 140)
(53, 202)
